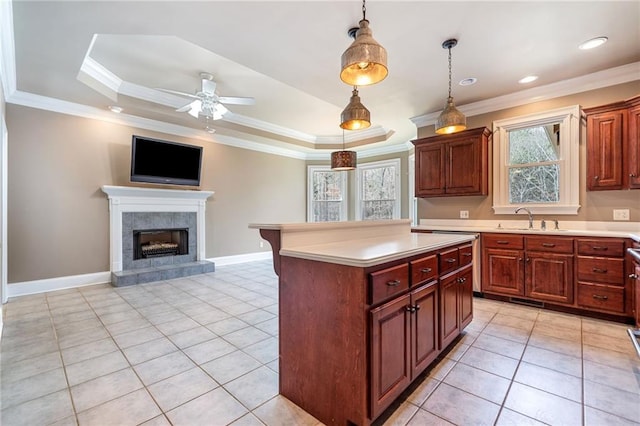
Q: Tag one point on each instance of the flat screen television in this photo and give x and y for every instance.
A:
(164, 162)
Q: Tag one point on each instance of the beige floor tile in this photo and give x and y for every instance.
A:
(89, 350)
(254, 388)
(270, 326)
(400, 415)
(131, 409)
(491, 362)
(209, 350)
(478, 382)
(160, 368)
(493, 343)
(149, 350)
(95, 367)
(230, 366)
(136, 337)
(604, 328)
(456, 351)
(12, 354)
(572, 322)
(543, 406)
(245, 337)
(20, 391)
(550, 329)
(125, 326)
(81, 337)
(105, 388)
(48, 409)
(519, 311)
(280, 410)
(553, 360)
(567, 347)
(264, 351)
(422, 391)
(425, 418)
(615, 359)
(440, 368)
(30, 367)
(620, 344)
(157, 421)
(215, 407)
(511, 321)
(514, 334)
(460, 407)
(612, 400)
(183, 387)
(177, 326)
(191, 337)
(628, 381)
(593, 417)
(511, 418)
(551, 381)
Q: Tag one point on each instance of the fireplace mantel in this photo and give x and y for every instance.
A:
(134, 199)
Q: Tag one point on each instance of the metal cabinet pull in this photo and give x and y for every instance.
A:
(599, 270)
(548, 245)
(502, 242)
(600, 297)
(634, 276)
(425, 270)
(393, 283)
(450, 260)
(410, 309)
(462, 280)
(417, 307)
(466, 254)
(600, 248)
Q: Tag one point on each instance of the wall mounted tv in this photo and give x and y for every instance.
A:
(164, 162)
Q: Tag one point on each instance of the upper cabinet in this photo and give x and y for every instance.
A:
(613, 146)
(452, 165)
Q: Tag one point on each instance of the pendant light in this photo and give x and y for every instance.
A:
(365, 61)
(355, 116)
(343, 160)
(450, 120)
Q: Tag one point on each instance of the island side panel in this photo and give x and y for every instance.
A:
(323, 339)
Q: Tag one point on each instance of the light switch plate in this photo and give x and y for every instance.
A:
(464, 214)
(621, 214)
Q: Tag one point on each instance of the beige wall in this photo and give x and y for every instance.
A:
(595, 205)
(58, 222)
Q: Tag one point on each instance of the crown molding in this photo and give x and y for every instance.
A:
(597, 80)
(7, 50)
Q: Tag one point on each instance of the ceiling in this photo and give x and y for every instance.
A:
(88, 55)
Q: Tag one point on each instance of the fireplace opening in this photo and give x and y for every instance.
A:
(160, 242)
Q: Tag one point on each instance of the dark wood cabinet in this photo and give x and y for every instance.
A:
(452, 165)
(424, 327)
(549, 276)
(613, 146)
(456, 300)
(503, 271)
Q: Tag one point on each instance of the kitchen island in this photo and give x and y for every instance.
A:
(364, 308)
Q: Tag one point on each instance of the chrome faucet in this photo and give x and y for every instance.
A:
(529, 213)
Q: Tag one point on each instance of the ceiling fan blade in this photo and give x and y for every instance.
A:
(186, 108)
(219, 111)
(208, 86)
(196, 107)
(237, 100)
(175, 92)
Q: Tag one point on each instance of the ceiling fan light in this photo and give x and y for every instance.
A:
(355, 116)
(450, 119)
(343, 160)
(365, 61)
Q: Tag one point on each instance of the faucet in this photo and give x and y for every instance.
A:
(529, 213)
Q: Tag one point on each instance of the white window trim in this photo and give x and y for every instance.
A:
(374, 165)
(343, 187)
(413, 200)
(569, 119)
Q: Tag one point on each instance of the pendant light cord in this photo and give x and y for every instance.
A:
(364, 11)
(449, 71)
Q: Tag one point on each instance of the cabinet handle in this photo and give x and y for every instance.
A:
(417, 307)
(632, 175)
(596, 177)
(599, 297)
(450, 260)
(394, 283)
(599, 248)
(462, 280)
(425, 270)
(502, 242)
(528, 260)
(411, 309)
(520, 259)
(466, 254)
(548, 245)
(599, 270)
(634, 276)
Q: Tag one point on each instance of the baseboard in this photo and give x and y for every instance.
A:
(241, 258)
(59, 283)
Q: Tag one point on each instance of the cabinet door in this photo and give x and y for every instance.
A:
(633, 163)
(463, 167)
(390, 353)
(605, 136)
(503, 272)
(430, 166)
(465, 280)
(549, 277)
(449, 309)
(636, 278)
(424, 327)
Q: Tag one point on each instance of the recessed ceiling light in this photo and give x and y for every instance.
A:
(528, 79)
(593, 43)
(115, 109)
(468, 81)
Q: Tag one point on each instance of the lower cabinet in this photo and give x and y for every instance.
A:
(456, 303)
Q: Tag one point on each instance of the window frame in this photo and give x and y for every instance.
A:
(344, 204)
(569, 161)
(398, 190)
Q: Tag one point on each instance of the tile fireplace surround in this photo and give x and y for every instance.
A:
(131, 207)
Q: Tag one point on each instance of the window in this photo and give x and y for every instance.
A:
(379, 190)
(536, 161)
(327, 194)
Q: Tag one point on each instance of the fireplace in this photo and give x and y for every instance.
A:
(160, 242)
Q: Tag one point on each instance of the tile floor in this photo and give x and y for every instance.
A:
(203, 351)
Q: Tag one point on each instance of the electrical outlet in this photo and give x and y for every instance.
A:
(261, 244)
(464, 214)
(621, 214)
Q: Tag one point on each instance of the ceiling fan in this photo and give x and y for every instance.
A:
(206, 103)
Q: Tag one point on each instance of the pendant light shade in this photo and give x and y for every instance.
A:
(343, 160)
(355, 116)
(365, 61)
(450, 119)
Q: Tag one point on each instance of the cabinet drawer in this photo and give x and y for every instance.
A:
(549, 244)
(423, 270)
(465, 255)
(601, 297)
(388, 282)
(449, 261)
(601, 247)
(503, 241)
(601, 269)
